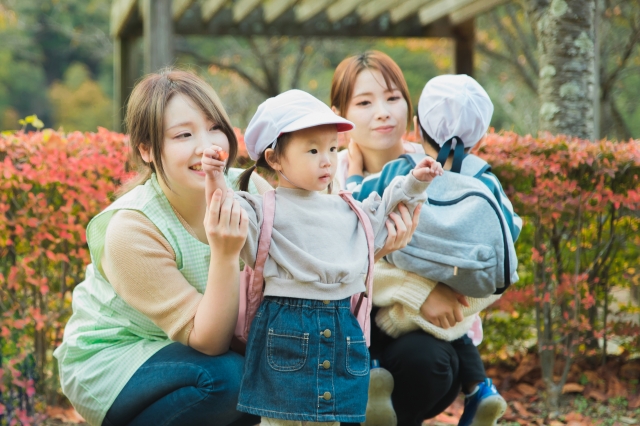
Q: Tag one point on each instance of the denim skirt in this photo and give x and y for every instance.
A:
(306, 360)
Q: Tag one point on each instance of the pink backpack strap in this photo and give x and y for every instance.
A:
(363, 315)
(264, 243)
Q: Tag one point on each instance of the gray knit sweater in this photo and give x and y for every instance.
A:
(318, 247)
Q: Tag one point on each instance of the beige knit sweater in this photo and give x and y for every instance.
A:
(141, 266)
(400, 294)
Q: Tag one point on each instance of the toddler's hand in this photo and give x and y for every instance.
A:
(213, 162)
(356, 162)
(427, 169)
(443, 307)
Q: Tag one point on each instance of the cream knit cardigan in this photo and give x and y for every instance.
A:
(400, 294)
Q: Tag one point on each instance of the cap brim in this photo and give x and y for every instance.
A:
(319, 119)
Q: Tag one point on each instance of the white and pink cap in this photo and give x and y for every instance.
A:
(289, 111)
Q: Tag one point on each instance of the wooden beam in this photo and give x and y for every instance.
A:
(242, 8)
(340, 9)
(440, 8)
(179, 7)
(370, 11)
(158, 34)
(474, 9)
(464, 38)
(307, 9)
(272, 9)
(407, 9)
(121, 11)
(210, 8)
(126, 71)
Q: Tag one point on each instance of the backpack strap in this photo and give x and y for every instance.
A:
(458, 153)
(368, 229)
(264, 240)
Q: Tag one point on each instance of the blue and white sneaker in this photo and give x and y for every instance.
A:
(484, 407)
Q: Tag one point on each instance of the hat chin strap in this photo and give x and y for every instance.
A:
(287, 179)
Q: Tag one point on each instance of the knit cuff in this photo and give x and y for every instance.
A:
(413, 292)
(414, 187)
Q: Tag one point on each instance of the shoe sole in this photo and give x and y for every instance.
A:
(489, 411)
(380, 410)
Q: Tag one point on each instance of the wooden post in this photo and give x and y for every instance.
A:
(158, 34)
(126, 67)
(464, 40)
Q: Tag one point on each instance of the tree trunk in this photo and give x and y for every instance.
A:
(565, 30)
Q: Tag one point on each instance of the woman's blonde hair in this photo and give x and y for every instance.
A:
(144, 119)
(344, 78)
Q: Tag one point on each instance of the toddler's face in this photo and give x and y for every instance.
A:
(310, 158)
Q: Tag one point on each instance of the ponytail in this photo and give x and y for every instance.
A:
(244, 178)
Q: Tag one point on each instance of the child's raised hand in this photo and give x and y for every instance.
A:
(427, 169)
(214, 160)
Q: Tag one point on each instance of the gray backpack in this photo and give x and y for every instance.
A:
(462, 239)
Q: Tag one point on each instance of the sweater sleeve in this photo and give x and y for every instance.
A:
(402, 189)
(400, 295)
(513, 220)
(252, 204)
(141, 266)
(362, 187)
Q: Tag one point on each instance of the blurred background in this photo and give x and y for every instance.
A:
(56, 61)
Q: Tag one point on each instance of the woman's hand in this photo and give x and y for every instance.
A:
(226, 224)
(356, 161)
(427, 169)
(400, 230)
(443, 307)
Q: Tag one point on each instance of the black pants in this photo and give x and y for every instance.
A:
(428, 372)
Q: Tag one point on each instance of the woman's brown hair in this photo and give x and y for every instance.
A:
(145, 118)
(344, 78)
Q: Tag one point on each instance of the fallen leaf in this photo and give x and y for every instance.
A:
(616, 388)
(572, 388)
(524, 414)
(595, 394)
(630, 370)
(556, 423)
(526, 390)
(69, 415)
(573, 416)
(634, 402)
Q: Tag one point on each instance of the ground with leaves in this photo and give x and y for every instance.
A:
(606, 395)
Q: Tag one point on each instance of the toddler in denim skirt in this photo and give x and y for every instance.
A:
(307, 358)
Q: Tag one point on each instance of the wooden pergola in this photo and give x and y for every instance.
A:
(157, 21)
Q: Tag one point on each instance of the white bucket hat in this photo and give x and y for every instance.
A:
(455, 106)
(289, 111)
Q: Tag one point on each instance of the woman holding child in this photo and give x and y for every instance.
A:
(420, 328)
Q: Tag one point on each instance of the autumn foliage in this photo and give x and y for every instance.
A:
(579, 200)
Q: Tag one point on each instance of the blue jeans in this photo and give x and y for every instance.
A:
(181, 386)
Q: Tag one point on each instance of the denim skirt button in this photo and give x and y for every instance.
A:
(327, 396)
(326, 302)
(326, 364)
(327, 333)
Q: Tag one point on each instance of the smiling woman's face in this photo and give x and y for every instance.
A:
(187, 133)
(379, 112)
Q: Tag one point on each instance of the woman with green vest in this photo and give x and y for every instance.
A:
(148, 341)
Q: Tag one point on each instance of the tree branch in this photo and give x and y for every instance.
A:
(483, 48)
(526, 49)
(211, 61)
(609, 81)
(299, 62)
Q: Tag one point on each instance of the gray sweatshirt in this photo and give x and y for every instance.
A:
(318, 247)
